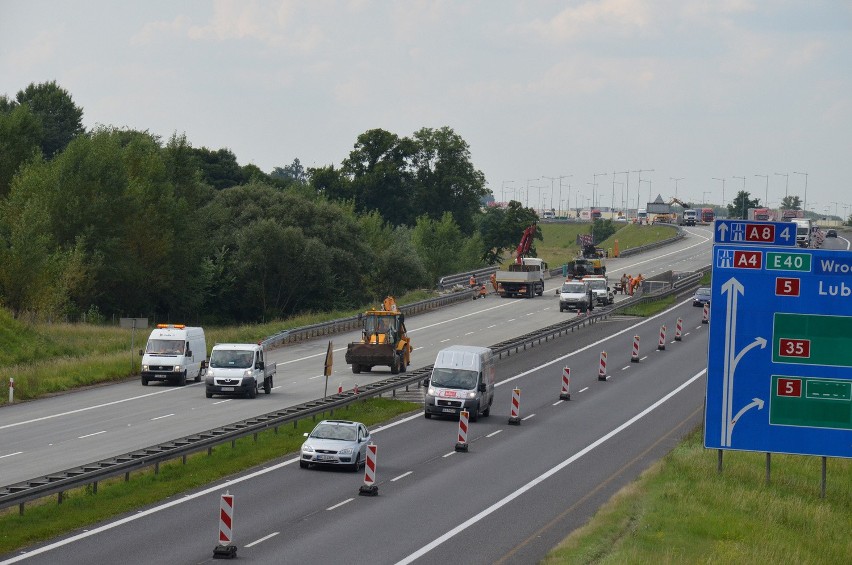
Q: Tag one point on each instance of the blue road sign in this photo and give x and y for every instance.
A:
(750, 232)
(779, 371)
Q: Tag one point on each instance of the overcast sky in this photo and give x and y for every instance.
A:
(693, 89)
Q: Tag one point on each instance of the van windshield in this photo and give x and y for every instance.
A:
(164, 347)
(454, 378)
(231, 359)
(574, 288)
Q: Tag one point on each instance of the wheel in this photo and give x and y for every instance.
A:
(561, 309)
(487, 411)
(252, 393)
(304, 464)
(366, 368)
(267, 385)
(357, 465)
(198, 376)
(208, 394)
(395, 365)
(182, 379)
(356, 368)
(427, 415)
(144, 381)
(401, 364)
(474, 414)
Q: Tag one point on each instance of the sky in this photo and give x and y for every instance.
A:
(559, 101)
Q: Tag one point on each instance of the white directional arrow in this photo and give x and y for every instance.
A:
(724, 229)
(758, 341)
(732, 288)
(755, 402)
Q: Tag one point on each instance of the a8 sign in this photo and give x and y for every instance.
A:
(760, 233)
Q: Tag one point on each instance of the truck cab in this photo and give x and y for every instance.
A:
(462, 379)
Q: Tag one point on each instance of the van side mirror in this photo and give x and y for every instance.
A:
(425, 381)
(482, 387)
(556, 292)
(189, 353)
(141, 352)
(260, 364)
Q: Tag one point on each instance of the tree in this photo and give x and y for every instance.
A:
(738, 208)
(61, 119)
(501, 230)
(219, 168)
(293, 172)
(791, 203)
(20, 141)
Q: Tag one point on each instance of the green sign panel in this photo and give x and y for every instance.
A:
(783, 261)
(809, 402)
(812, 339)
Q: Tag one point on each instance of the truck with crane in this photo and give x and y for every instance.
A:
(525, 277)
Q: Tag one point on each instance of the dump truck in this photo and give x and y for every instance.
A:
(384, 340)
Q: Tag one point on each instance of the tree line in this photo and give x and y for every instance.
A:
(118, 222)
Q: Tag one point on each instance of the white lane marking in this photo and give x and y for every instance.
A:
(316, 377)
(527, 418)
(492, 434)
(276, 387)
(86, 409)
(625, 367)
(686, 334)
(226, 400)
(591, 345)
(512, 320)
(161, 417)
(544, 476)
(264, 538)
(446, 340)
(11, 454)
(643, 358)
(492, 326)
(584, 389)
(402, 476)
(94, 434)
(532, 313)
(558, 402)
(470, 333)
(339, 504)
(448, 454)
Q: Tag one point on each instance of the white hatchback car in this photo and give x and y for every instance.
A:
(336, 442)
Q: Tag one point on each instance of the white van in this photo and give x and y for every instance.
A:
(174, 353)
(462, 377)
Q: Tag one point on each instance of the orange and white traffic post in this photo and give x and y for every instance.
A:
(566, 384)
(225, 548)
(662, 344)
(634, 357)
(515, 414)
(705, 315)
(461, 442)
(678, 330)
(369, 488)
(602, 367)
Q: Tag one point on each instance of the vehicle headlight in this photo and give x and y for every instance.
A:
(471, 395)
(210, 372)
(145, 368)
(306, 448)
(177, 368)
(247, 373)
(431, 391)
(345, 451)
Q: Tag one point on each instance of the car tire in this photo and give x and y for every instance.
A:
(487, 411)
(252, 393)
(208, 394)
(474, 414)
(395, 365)
(357, 464)
(198, 376)
(427, 415)
(304, 464)
(182, 379)
(561, 309)
(144, 381)
(356, 368)
(267, 385)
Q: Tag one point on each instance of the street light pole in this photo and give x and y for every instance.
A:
(639, 190)
(676, 179)
(704, 196)
(786, 181)
(623, 199)
(766, 197)
(528, 192)
(805, 205)
(723, 189)
(595, 185)
(502, 189)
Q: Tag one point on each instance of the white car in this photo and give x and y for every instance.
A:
(336, 443)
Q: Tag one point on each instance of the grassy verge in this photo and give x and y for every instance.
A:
(46, 519)
(48, 358)
(682, 511)
(649, 308)
(559, 244)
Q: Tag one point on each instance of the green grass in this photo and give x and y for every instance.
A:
(558, 246)
(649, 308)
(46, 519)
(46, 358)
(682, 511)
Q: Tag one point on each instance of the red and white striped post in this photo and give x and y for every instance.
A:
(705, 316)
(662, 344)
(679, 330)
(461, 442)
(340, 388)
(515, 414)
(369, 487)
(355, 390)
(11, 390)
(634, 357)
(225, 547)
(566, 384)
(602, 367)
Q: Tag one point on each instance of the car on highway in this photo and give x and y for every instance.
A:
(575, 295)
(600, 288)
(336, 443)
(831, 233)
(702, 296)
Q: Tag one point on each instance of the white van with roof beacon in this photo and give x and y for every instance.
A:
(174, 353)
(462, 378)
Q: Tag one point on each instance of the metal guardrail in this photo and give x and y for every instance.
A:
(462, 278)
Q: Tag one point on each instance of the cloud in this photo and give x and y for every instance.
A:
(41, 49)
(589, 19)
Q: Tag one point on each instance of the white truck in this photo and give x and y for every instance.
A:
(174, 352)
(525, 279)
(804, 232)
(689, 217)
(462, 379)
(238, 369)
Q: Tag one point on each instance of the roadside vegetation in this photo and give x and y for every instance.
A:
(682, 511)
(46, 519)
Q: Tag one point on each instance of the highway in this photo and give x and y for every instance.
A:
(512, 497)
(67, 430)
